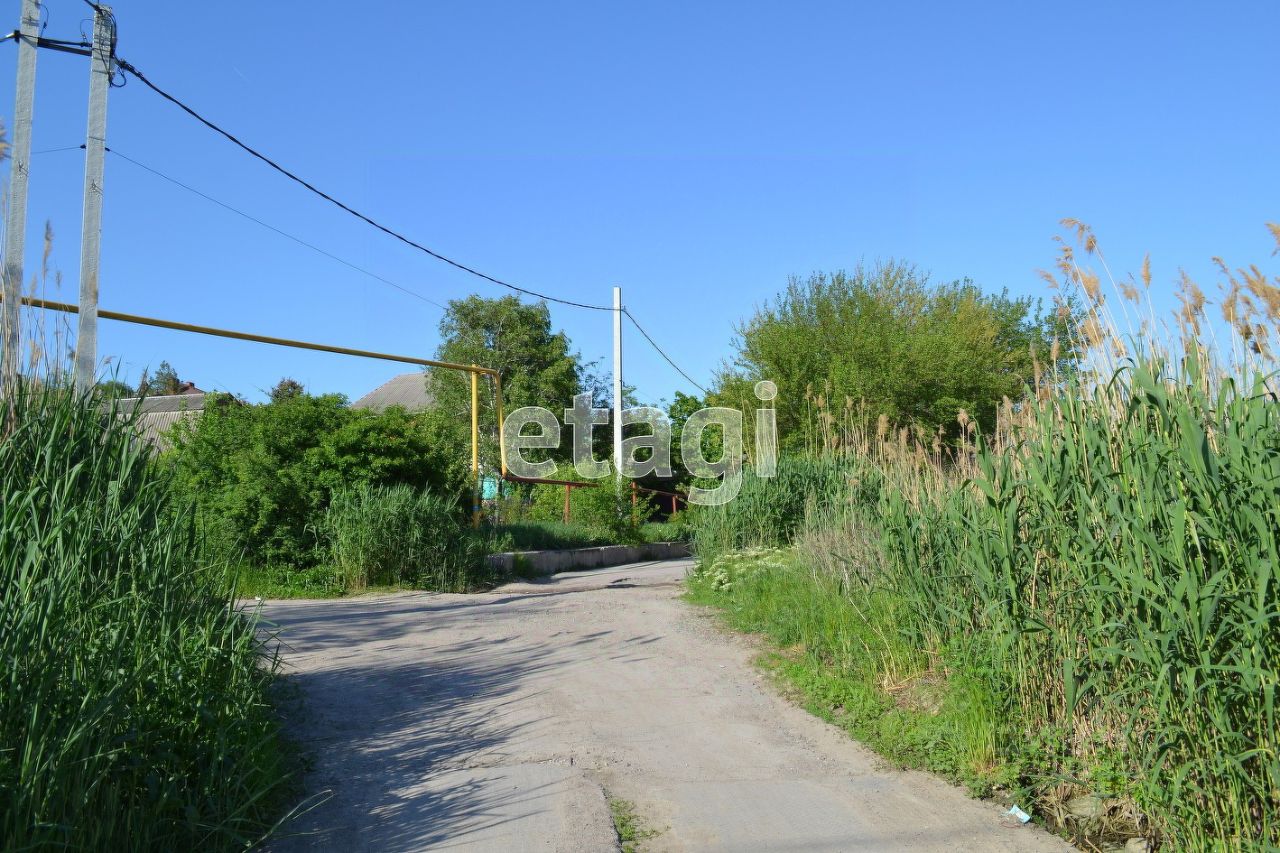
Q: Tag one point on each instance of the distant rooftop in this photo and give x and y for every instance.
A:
(158, 413)
(408, 390)
(190, 398)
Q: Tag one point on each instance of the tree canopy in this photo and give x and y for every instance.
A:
(287, 388)
(164, 381)
(537, 363)
(884, 341)
(115, 389)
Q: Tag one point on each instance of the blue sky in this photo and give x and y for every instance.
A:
(694, 153)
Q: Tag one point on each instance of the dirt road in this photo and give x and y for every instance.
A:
(498, 721)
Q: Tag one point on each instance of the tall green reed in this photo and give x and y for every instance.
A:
(769, 511)
(395, 535)
(1122, 563)
(134, 713)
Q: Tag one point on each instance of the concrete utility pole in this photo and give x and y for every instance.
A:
(100, 71)
(477, 491)
(617, 382)
(19, 170)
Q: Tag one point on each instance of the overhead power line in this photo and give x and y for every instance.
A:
(129, 67)
(274, 229)
(654, 344)
(334, 257)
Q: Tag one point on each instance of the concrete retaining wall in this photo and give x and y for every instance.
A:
(542, 563)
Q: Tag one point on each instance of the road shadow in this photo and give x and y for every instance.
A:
(410, 739)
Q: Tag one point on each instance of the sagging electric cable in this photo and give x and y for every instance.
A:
(142, 78)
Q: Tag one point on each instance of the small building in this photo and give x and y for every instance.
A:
(408, 390)
(157, 414)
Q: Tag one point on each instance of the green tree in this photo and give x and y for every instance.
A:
(537, 364)
(114, 389)
(287, 389)
(682, 406)
(164, 381)
(884, 341)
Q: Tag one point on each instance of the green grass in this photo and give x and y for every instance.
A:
(631, 829)
(382, 544)
(267, 583)
(678, 530)
(556, 535)
(548, 536)
(848, 665)
(135, 712)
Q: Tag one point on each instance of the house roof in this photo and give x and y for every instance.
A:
(163, 403)
(157, 414)
(408, 390)
(154, 427)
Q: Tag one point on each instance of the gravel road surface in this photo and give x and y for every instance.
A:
(502, 721)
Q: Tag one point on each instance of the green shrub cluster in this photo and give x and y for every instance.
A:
(887, 338)
(264, 479)
(548, 536)
(603, 508)
(134, 714)
(677, 528)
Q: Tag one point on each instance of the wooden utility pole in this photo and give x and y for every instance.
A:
(15, 225)
(100, 72)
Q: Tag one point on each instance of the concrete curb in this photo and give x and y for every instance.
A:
(543, 563)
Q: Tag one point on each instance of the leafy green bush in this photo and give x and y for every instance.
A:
(262, 476)
(394, 535)
(134, 714)
(556, 535)
(605, 506)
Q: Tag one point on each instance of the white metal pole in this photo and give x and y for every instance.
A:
(91, 229)
(617, 382)
(19, 170)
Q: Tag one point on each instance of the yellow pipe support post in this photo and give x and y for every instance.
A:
(475, 447)
(502, 445)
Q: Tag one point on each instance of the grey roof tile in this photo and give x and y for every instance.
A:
(408, 390)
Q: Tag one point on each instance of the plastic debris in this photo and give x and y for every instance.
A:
(1019, 814)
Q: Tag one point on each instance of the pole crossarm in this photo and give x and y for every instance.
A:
(121, 317)
(78, 48)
